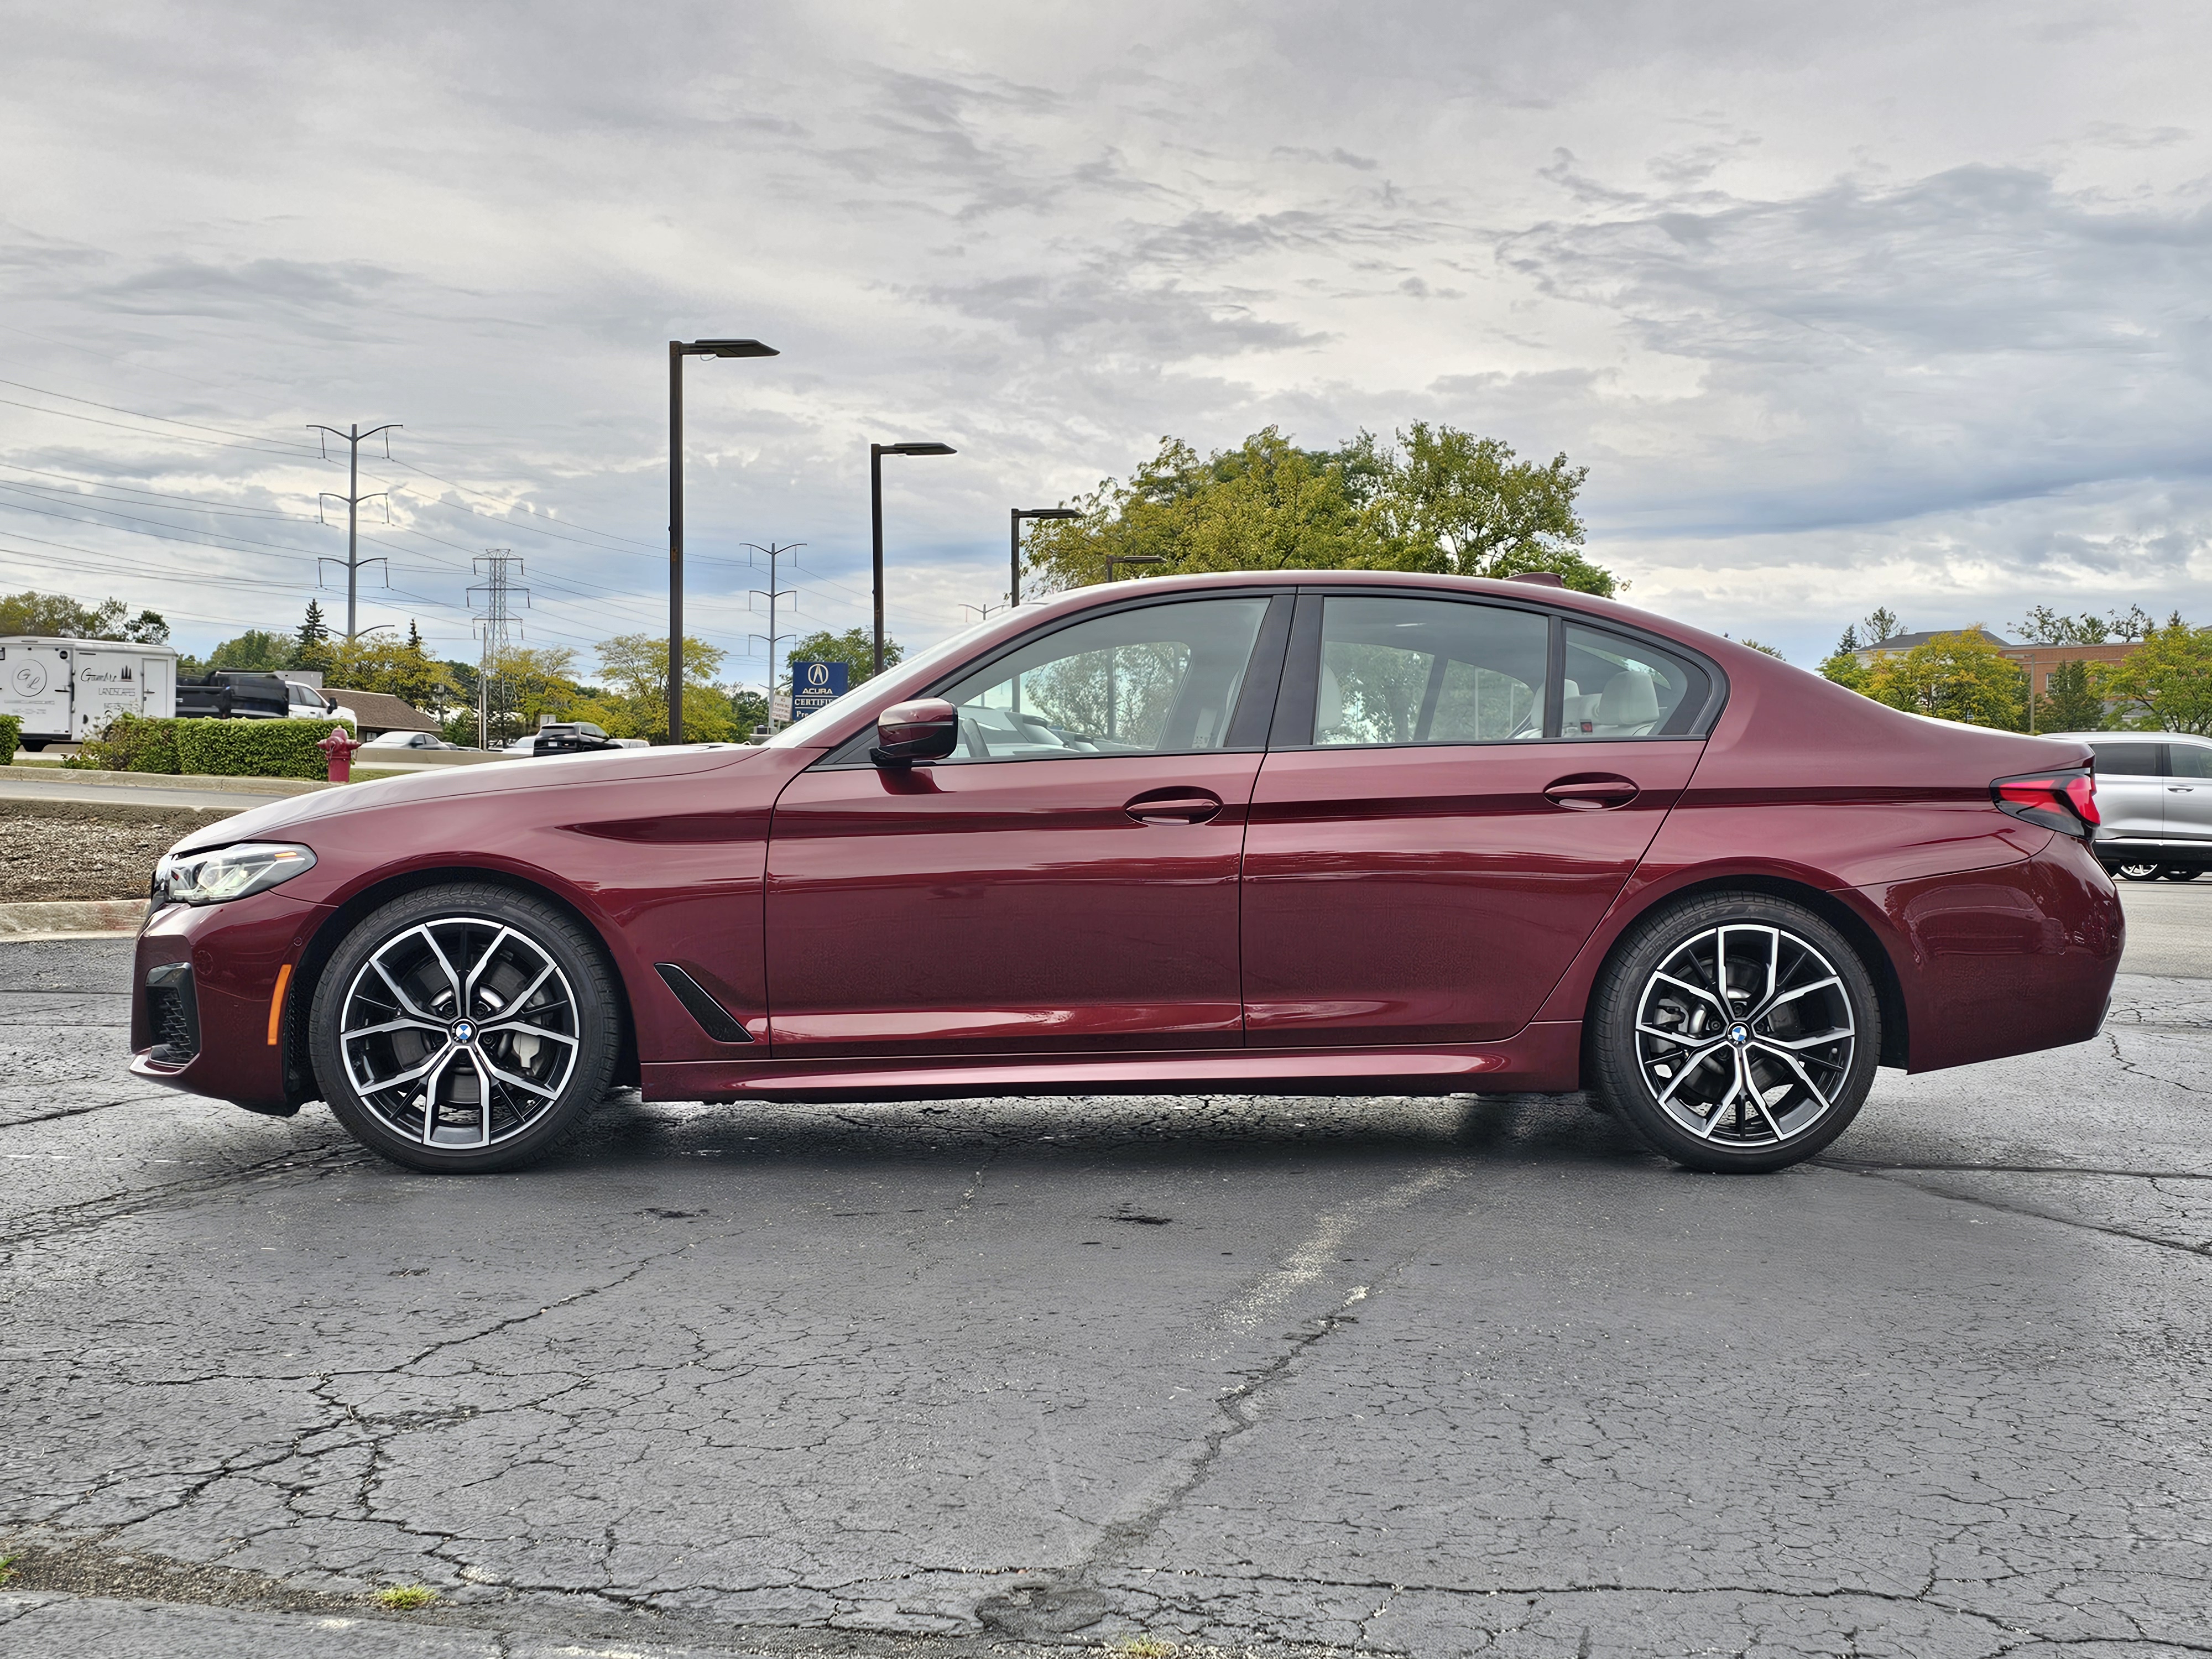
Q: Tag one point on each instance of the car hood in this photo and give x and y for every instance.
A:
(286, 819)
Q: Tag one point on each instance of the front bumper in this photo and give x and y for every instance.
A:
(204, 1013)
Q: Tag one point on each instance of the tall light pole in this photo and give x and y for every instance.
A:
(875, 454)
(1015, 515)
(677, 351)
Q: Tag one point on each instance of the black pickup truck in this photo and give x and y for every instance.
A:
(235, 694)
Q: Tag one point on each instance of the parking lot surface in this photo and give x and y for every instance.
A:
(1431, 1376)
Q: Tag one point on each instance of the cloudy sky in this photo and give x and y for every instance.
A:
(1842, 306)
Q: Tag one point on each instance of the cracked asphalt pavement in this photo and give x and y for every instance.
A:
(1429, 1377)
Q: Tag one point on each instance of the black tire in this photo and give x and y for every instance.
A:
(547, 1048)
(1799, 1099)
(2135, 871)
(2182, 872)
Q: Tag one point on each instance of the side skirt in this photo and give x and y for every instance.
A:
(1540, 1059)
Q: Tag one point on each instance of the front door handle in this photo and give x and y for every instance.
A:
(1589, 792)
(2180, 788)
(1174, 806)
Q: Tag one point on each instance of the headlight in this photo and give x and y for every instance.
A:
(227, 872)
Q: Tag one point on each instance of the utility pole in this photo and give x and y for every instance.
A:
(353, 498)
(499, 591)
(773, 553)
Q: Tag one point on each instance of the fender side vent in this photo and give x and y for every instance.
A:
(716, 1021)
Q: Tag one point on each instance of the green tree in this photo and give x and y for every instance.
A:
(1954, 677)
(636, 667)
(748, 711)
(401, 668)
(311, 641)
(1844, 668)
(2043, 626)
(2070, 701)
(254, 652)
(1440, 499)
(1453, 502)
(2131, 624)
(57, 616)
(1881, 624)
(855, 647)
(2167, 680)
(1768, 649)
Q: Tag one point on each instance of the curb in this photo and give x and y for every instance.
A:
(71, 919)
(31, 777)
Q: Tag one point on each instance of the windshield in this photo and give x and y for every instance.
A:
(807, 733)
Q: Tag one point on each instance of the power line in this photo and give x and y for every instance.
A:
(353, 498)
(499, 590)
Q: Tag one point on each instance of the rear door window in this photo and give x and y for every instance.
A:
(1617, 687)
(2130, 760)
(1410, 671)
(2186, 760)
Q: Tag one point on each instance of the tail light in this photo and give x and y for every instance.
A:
(2064, 800)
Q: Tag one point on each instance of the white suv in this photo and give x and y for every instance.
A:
(2154, 795)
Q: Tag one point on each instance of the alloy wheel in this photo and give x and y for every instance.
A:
(1744, 1036)
(2136, 871)
(460, 1032)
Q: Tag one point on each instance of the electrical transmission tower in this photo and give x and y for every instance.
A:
(774, 596)
(499, 592)
(353, 498)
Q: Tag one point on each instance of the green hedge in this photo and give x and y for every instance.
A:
(11, 730)
(222, 749)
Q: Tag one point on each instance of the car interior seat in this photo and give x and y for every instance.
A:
(1629, 707)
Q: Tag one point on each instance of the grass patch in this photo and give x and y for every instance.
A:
(8, 1567)
(1146, 1647)
(406, 1598)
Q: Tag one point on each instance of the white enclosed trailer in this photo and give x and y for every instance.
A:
(65, 690)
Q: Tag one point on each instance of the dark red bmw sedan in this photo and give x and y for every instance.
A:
(1336, 833)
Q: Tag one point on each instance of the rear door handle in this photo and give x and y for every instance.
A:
(2180, 788)
(1588, 793)
(1174, 806)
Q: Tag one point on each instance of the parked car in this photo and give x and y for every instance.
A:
(1286, 833)
(409, 740)
(2154, 789)
(571, 738)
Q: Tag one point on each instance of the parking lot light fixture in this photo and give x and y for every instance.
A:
(1017, 514)
(677, 351)
(875, 454)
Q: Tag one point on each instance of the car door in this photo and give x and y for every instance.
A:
(2188, 792)
(1067, 880)
(1445, 813)
(2131, 789)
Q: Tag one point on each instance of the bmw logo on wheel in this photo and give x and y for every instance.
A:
(464, 1030)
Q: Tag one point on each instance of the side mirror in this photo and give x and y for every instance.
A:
(928, 728)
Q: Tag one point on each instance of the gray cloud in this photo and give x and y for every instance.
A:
(1838, 304)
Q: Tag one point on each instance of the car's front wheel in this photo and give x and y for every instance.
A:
(2137, 871)
(464, 1028)
(1734, 1031)
(2182, 872)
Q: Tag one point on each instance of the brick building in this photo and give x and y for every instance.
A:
(2039, 660)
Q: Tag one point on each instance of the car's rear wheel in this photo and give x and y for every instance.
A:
(2181, 872)
(1734, 1031)
(2136, 871)
(464, 1028)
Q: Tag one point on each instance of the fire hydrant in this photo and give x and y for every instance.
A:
(338, 748)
